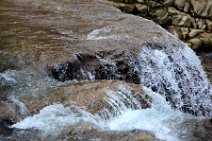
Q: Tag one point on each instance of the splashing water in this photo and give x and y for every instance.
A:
(54, 118)
(178, 74)
(177, 79)
(160, 119)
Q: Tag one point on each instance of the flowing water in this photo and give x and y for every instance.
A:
(179, 82)
(42, 33)
(160, 119)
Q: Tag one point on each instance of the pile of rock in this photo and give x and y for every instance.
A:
(189, 20)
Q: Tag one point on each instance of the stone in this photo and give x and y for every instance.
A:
(201, 24)
(209, 24)
(176, 31)
(185, 21)
(184, 32)
(196, 43)
(41, 36)
(127, 8)
(133, 135)
(168, 2)
(203, 130)
(195, 32)
(174, 11)
(78, 95)
(179, 4)
(176, 19)
(82, 132)
(202, 8)
(62, 44)
(187, 7)
(154, 4)
(161, 13)
(141, 8)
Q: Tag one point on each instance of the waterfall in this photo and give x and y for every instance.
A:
(176, 73)
(123, 115)
(174, 86)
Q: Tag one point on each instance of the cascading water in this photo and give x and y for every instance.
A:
(178, 81)
(178, 74)
(124, 114)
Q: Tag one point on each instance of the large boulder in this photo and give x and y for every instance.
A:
(60, 31)
(93, 96)
(45, 41)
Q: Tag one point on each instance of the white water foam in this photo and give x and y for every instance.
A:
(175, 74)
(160, 119)
(52, 119)
(178, 74)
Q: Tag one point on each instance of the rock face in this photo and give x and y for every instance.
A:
(189, 20)
(84, 132)
(57, 31)
(93, 96)
(48, 46)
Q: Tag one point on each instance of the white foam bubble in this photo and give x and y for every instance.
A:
(54, 118)
(160, 119)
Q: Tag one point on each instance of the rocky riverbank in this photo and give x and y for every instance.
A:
(189, 20)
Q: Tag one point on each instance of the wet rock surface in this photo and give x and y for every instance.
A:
(102, 65)
(44, 41)
(90, 95)
(203, 130)
(83, 132)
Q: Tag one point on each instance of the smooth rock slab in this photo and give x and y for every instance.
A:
(92, 95)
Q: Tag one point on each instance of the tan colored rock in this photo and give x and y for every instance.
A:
(201, 24)
(134, 135)
(196, 43)
(90, 95)
(187, 7)
(184, 32)
(65, 31)
(154, 3)
(209, 24)
(202, 8)
(175, 31)
(84, 132)
(176, 19)
(129, 8)
(179, 4)
(174, 11)
(186, 21)
(162, 16)
(168, 2)
(195, 32)
(141, 8)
